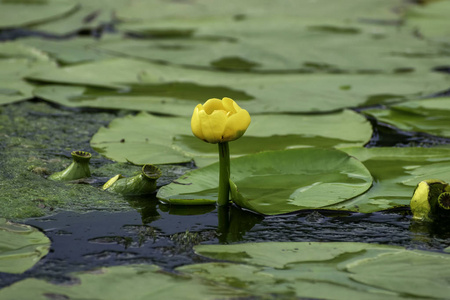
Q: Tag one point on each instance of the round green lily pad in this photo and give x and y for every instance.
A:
(277, 182)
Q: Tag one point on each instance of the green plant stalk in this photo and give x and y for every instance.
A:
(79, 168)
(224, 174)
(141, 184)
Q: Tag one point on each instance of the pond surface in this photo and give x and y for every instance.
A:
(69, 70)
(154, 233)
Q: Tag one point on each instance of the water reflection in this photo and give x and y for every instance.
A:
(431, 234)
(234, 223)
(231, 223)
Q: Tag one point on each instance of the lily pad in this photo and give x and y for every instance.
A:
(276, 182)
(145, 138)
(327, 270)
(72, 51)
(429, 115)
(430, 21)
(89, 15)
(13, 87)
(30, 12)
(254, 44)
(172, 90)
(264, 270)
(15, 49)
(390, 272)
(396, 172)
(346, 10)
(21, 247)
(148, 282)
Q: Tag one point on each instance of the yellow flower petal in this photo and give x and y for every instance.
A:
(195, 123)
(229, 105)
(212, 105)
(213, 125)
(420, 206)
(236, 125)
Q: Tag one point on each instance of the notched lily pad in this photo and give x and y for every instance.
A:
(276, 182)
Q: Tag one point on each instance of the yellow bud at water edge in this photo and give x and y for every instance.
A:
(219, 121)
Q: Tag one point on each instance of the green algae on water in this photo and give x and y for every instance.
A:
(33, 142)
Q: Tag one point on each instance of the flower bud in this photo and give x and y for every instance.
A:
(219, 121)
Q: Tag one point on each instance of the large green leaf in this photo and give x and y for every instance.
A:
(137, 282)
(299, 35)
(21, 247)
(15, 49)
(276, 182)
(12, 71)
(76, 50)
(15, 13)
(16, 62)
(89, 15)
(256, 44)
(264, 270)
(327, 270)
(429, 115)
(430, 21)
(323, 10)
(145, 138)
(389, 271)
(396, 172)
(173, 90)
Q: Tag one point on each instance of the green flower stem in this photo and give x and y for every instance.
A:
(224, 175)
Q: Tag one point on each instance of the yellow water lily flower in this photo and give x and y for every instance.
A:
(425, 202)
(219, 121)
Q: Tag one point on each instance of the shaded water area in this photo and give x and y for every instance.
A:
(146, 231)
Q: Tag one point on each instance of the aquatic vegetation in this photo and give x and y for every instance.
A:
(264, 270)
(141, 184)
(219, 122)
(277, 182)
(79, 168)
(315, 77)
(21, 247)
(170, 140)
(431, 116)
(430, 200)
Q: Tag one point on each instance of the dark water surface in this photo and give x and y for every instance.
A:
(156, 235)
